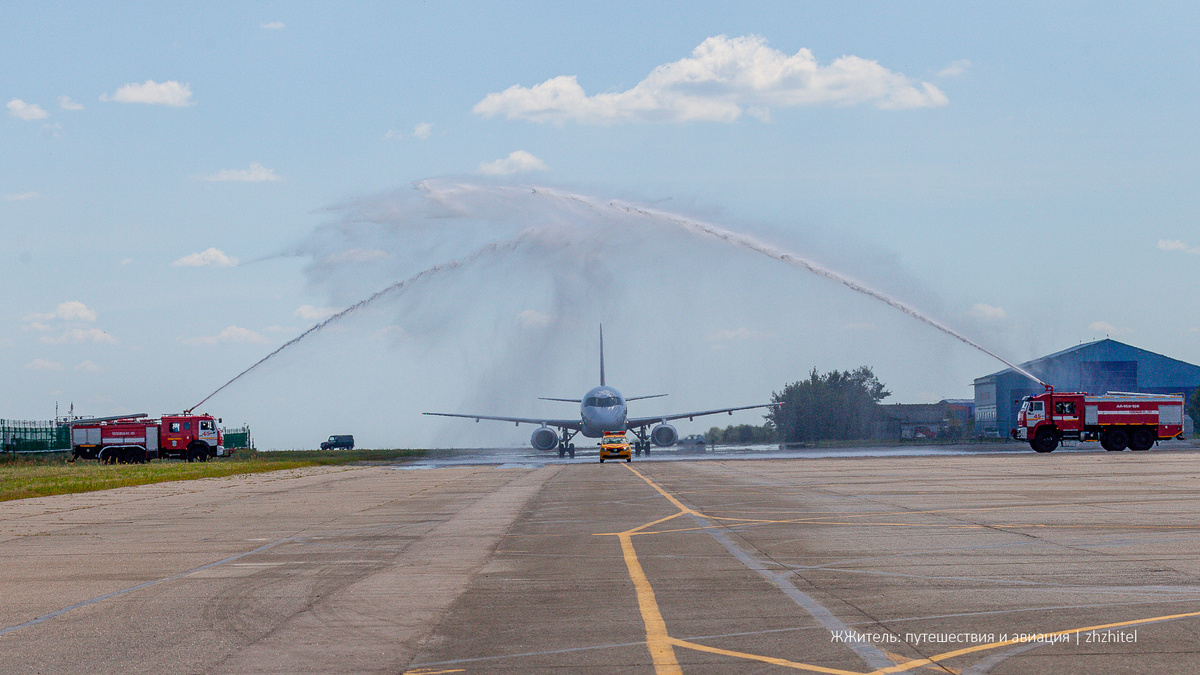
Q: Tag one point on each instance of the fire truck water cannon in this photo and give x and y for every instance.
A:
(134, 439)
(1118, 420)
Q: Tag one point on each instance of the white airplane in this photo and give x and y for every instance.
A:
(603, 409)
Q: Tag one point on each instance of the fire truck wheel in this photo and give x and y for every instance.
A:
(1044, 441)
(1141, 439)
(1114, 440)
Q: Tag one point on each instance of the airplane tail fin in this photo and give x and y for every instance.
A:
(601, 355)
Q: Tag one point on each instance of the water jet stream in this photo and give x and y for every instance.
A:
(786, 257)
(492, 248)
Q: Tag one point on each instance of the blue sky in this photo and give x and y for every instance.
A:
(187, 187)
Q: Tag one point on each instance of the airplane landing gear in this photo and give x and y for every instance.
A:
(643, 443)
(565, 446)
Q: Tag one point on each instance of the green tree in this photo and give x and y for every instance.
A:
(745, 434)
(840, 405)
(1193, 409)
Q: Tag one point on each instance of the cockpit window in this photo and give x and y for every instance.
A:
(601, 401)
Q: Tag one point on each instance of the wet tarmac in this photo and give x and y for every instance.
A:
(526, 457)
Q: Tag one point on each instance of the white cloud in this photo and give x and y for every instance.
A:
(357, 256)
(232, 335)
(26, 111)
(518, 161)
(43, 364)
(531, 318)
(21, 196)
(1176, 245)
(88, 366)
(257, 173)
(153, 93)
(66, 103)
(273, 25)
(421, 131)
(722, 75)
(71, 310)
(211, 257)
(311, 313)
(1107, 328)
(80, 336)
(988, 312)
(74, 310)
(955, 69)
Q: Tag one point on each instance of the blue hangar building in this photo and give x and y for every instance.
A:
(1095, 368)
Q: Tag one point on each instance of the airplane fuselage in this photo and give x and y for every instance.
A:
(602, 409)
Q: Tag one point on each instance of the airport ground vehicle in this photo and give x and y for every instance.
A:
(1118, 420)
(345, 441)
(693, 442)
(614, 446)
(134, 439)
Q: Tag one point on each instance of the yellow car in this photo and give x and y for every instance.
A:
(614, 446)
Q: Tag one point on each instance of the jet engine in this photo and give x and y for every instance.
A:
(544, 439)
(664, 435)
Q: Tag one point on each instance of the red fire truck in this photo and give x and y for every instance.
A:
(134, 439)
(1118, 420)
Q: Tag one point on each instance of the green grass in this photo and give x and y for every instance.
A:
(24, 476)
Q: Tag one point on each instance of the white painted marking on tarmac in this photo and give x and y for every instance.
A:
(869, 653)
(984, 667)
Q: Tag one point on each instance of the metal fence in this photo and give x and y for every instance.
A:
(33, 436)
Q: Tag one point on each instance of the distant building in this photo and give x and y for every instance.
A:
(1095, 368)
(946, 419)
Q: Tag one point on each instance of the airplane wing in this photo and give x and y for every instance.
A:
(634, 422)
(574, 425)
